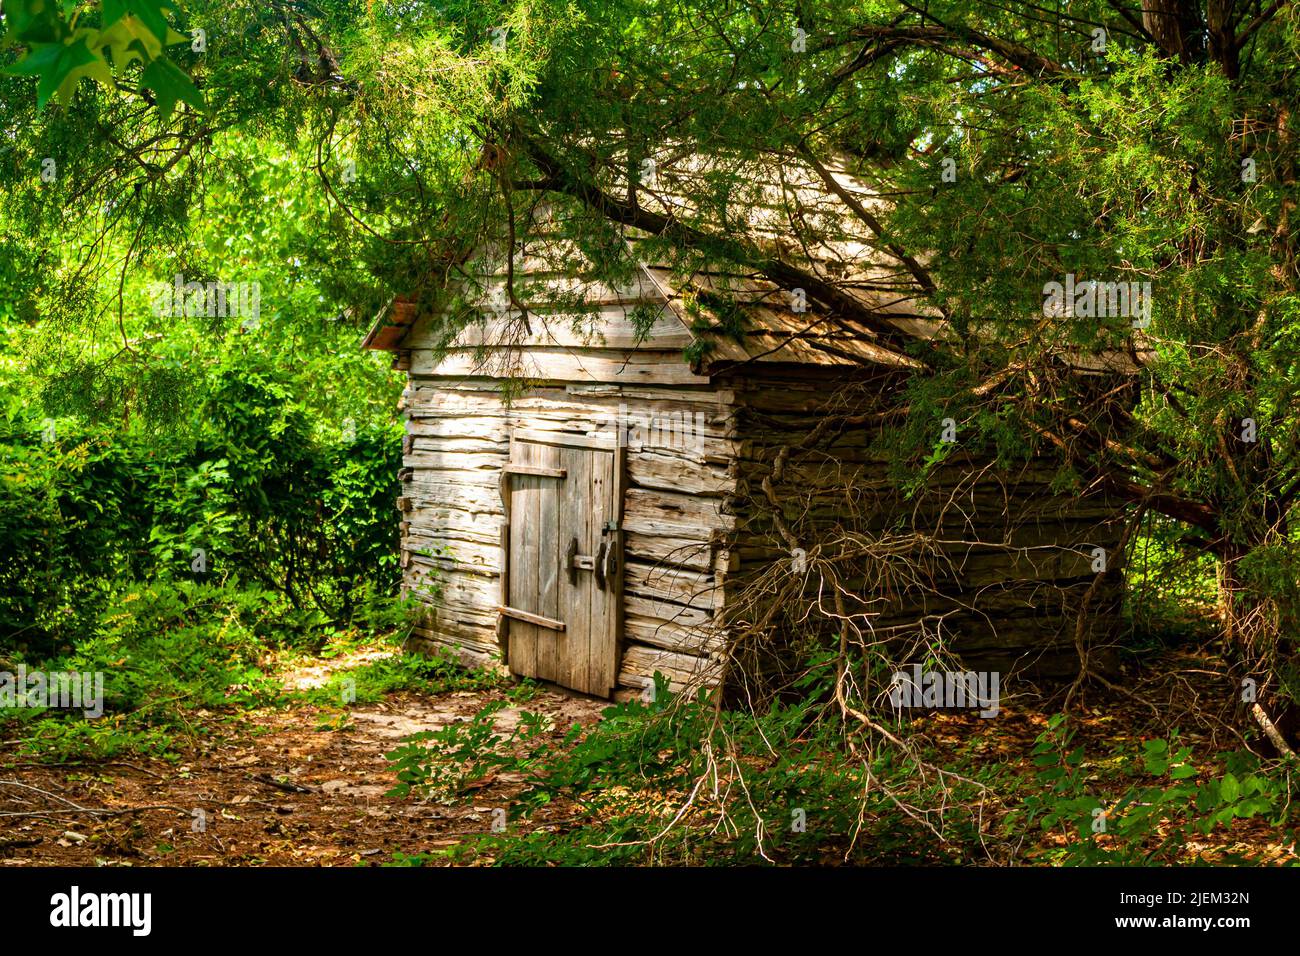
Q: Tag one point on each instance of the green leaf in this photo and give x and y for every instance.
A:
(149, 12)
(1206, 798)
(1229, 789)
(1154, 756)
(53, 64)
(38, 60)
(170, 83)
(97, 69)
(129, 40)
(27, 23)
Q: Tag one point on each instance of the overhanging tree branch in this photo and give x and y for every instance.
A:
(557, 178)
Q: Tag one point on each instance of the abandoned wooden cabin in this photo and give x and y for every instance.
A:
(585, 463)
(584, 527)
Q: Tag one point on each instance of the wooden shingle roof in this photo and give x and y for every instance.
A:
(723, 319)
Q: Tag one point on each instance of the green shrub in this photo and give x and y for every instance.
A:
(164, 651)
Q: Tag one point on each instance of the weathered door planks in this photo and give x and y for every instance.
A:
(548, 567)
(559, 494)
(575, 518)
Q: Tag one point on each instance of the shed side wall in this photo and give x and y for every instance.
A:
(1017, 560)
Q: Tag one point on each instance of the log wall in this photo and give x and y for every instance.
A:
(1016, 563)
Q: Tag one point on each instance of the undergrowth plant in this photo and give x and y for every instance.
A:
(1168, 804)
(163, 651)
(680, 781)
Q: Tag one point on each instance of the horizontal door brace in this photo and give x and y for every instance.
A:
(536, 470)
(530, 618)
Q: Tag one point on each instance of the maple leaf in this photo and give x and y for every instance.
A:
(53, 64)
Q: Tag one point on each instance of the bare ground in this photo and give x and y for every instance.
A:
(283, 791)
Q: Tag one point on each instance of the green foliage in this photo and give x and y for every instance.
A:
(143, 449)
(256, 497)
(171, 559)
(680, 782)
(628, 776)
(1153, 821)
(418, 673)
(164, 650)
(1171, 592)
(65, 42)
(439, 763)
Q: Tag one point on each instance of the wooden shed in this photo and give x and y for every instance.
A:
(575, 505)
(609, 468)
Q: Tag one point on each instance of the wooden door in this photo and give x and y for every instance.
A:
(563, 574)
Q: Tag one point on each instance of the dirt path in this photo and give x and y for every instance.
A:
(284, 791)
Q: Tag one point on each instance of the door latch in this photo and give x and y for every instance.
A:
(576, 562)
(604, 563)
